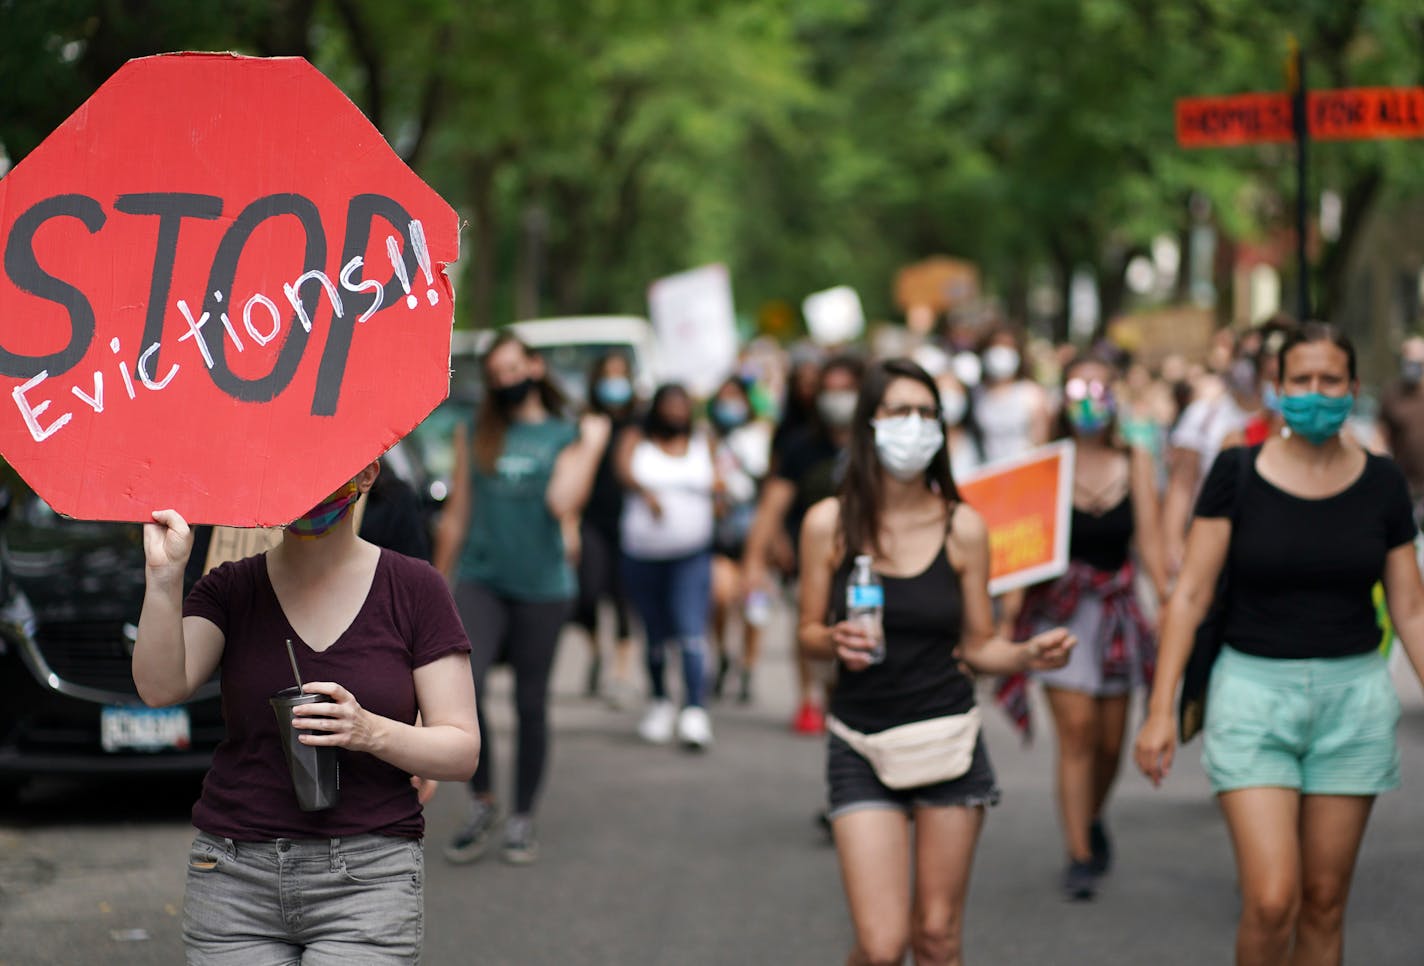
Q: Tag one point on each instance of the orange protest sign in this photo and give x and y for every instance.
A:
(1366, 113)
(1350, 114)
(1223, 122)
(1026, 502)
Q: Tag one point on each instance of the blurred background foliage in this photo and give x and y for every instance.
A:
(593, 145)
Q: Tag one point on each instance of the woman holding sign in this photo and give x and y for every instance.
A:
(1301, 712)
(1115, 512)
(899, 507)
(376, 638)
(519, 483)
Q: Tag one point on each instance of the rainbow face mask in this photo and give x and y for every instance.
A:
(320, 519)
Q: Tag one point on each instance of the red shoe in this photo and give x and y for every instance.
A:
(809, 720)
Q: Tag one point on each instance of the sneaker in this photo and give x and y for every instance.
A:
(1102, 847)
(809, 720)
(1079, 882)
(744, 689)
(657, 725)
(520, 846)
(694, 728)
(472, 839)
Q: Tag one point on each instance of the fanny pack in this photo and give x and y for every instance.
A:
(919, 753)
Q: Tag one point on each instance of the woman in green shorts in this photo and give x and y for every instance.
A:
(1301, 713)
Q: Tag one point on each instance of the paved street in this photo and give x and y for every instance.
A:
(654, 856)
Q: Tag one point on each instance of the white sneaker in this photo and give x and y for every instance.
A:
(694, 728)
(657, 725)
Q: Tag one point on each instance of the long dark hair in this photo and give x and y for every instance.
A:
(493, 422)
(861, 493)
(653, 422)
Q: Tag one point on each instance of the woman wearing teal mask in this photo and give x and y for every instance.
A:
(610, 393)
(1301, 712)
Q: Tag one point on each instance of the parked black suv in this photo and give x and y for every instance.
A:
(70, 594)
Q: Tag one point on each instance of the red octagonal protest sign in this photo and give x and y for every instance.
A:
(221, 291)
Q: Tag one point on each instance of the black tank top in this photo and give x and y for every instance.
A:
(919, 677)
(1102, 540)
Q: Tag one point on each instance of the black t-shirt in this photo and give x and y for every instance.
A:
(1301, 570)
(815, 466)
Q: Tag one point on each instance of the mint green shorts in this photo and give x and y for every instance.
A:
(1324, 726)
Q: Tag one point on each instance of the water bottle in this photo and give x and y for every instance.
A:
(865, 605)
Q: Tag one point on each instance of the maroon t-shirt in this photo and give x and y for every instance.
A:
(407, 620)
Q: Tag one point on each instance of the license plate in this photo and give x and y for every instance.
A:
(144, 729)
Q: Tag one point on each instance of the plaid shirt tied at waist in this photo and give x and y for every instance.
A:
(1129, 637)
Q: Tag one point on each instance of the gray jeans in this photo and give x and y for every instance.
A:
(314, 902)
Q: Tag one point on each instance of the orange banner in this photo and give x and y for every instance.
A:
(1366, 113)
(1223, 122)
(1027, 504)
(1351, 114)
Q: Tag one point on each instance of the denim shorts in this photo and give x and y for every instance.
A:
(318, 902)
(1324, 726)
(853, 785)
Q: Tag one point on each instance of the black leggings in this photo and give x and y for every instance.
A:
(600, 578)
(523, 634)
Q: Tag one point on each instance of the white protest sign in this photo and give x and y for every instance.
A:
(834, 316)
(696, 328)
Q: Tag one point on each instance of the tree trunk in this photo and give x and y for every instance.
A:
(482, 260)
(1359, 201)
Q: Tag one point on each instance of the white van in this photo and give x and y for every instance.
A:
(570, 346)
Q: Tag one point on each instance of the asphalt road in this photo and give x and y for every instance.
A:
(651, 855)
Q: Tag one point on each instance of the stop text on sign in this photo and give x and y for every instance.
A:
(217, 318)
(1359, 113)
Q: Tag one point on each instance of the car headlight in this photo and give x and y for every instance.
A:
(17, 617)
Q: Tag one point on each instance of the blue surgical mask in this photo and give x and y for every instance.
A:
(1315, 415)
(728, 414)
(613, 391)
(1271, 398)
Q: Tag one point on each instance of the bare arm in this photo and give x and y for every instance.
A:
(173, 656)
(1405, 597)
(574, 470)
(1183, 472)
(1147, 521)
(455, 515)
(1041, 426)
(1207, 545)
(777, 496)
(444, 746)
(981, 647)
(818, 564)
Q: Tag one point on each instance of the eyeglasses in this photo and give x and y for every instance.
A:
(928, 413)
(1078, 389)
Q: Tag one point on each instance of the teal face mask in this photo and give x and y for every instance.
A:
(1316, 416)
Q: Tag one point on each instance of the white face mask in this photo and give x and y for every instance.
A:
(837, 407)
(907, 444)
(968, 369)
(1001, 362)
(953, 403)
